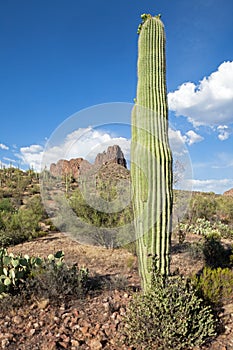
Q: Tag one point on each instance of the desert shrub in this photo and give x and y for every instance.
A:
(47, 278)
(202, 206)
(170, 316)
(195, 250)
(57, 282)
(2, 223)
(215, 254)
(6, 205)
(8, 238)
(225, 213)
(131, 247)
(104, 221)
(215, 285)
(21, 225)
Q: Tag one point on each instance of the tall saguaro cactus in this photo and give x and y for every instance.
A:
(151, 159)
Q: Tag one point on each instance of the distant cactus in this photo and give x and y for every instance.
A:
(151, 159)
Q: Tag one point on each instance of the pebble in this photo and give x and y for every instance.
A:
(94, 326)
(95, 344)
(17, 319)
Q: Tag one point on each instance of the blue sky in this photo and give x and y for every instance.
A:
(60, 57)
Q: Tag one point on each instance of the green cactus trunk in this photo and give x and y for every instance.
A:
(151, 158)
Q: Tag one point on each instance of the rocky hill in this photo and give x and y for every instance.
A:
(79, 166)
(114, 154)
(229, 193)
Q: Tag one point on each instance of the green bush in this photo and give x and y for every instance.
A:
(21, 225)
(12, 237)
(170, 316)
(47, 278)
(57, 282)
(195, 251)
(215, 254)
(6, 205)
(215, 285)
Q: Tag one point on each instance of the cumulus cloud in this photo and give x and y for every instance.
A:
(87, 142)
(178, 141)
(224, 132)
(4, 147)
(192, 137)
(208, 103)
(31, 156)
(83, 142)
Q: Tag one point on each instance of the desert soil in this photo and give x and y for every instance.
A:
(94, 322)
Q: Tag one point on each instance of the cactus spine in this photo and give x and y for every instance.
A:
(151, 159)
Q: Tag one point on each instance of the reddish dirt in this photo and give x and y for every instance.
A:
(93, 322)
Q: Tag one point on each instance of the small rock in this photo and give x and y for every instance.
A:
(106, 306)
(49, 346)
(65, 338)
(5, 343)
(95, 344)
(74, 343)
(17, 319)
(84, 330)
(56, 319)
(65, 315)
(64, 344)
(32, 331)
(43, 303)
(122, 311)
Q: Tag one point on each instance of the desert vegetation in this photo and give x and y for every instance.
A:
(203, 235)
(185, 272)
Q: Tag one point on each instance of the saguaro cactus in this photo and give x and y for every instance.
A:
(151, 159)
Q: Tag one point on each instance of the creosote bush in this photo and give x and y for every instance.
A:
(215, 254)
(56, 283)
(215, 285)
(169, 316)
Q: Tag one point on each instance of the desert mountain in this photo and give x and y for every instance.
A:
(79, 166)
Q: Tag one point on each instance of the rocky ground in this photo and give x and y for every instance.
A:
(93, 322)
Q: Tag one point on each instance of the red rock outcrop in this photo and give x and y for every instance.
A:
(114, 154)
(79, 166)
(73, 167)
(229, 193)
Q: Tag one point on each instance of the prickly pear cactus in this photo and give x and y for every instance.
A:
(151, 158)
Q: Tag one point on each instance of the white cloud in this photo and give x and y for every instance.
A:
(224, 132)
(178, 141)
(87, 142)
(192, 137)
(83, 142)
(31, 156)
(210, 185)
(208, 103)
(4, 147)
(9, 160)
